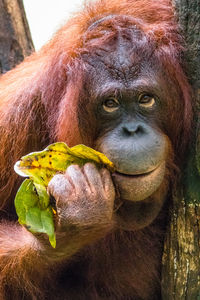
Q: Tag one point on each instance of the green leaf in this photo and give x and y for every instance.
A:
(42, 195)
(32, 200)
(35, 219)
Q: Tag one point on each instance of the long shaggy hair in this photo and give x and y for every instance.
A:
(39, 105)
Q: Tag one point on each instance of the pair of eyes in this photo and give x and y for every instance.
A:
(144, 101)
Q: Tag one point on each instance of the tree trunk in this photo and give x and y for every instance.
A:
(15, 37)
(181, 258)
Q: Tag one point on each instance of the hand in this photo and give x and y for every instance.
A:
(84, 197)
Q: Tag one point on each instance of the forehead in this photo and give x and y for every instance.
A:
(124, 58)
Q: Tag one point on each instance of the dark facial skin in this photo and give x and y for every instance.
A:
(136, 148)
(127, 108)
(128, 105)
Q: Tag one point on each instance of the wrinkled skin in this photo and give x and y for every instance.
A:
(84, 203)
(72, 191)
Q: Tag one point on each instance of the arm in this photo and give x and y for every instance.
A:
(19, 261)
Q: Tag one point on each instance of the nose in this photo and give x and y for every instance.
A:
(135, 128)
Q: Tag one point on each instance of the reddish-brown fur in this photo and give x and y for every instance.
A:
(38, 106)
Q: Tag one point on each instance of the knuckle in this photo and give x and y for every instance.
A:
(72, 168)
(57, 177)
(55, 182)
(59, 187)
(104, 171)
(89, 166)
(106, 174)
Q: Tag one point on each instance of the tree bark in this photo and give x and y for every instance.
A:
(15, 37)
(181, 258)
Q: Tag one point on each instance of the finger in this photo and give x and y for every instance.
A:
(59, 186)
(76, 177)
(93, 177)
(106, 179)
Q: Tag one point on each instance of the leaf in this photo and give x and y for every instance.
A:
(32, 200)
(42, 195)
(89, 154)
(30, 214)
(43, 165)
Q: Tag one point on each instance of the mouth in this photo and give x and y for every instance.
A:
(139, 186)
(135, 175)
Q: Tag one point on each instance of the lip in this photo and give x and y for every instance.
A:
(139, 186)
(135, 175)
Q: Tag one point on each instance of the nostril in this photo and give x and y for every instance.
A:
(139, 129)
(127, 132)
(132, 129)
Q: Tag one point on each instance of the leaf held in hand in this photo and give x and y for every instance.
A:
(30, 213)
(32, 201)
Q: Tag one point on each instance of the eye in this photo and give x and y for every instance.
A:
(110, 105)
(146, 100)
